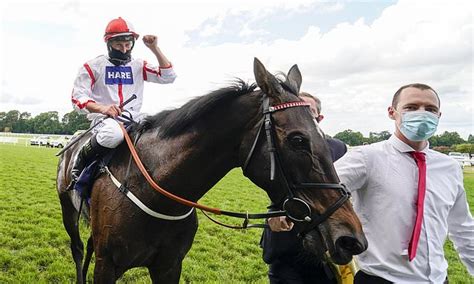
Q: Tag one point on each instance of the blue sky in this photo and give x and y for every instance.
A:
(279, 23)
(353, 54)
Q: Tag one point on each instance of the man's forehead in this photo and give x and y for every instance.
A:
(411, 94)
(312, 102)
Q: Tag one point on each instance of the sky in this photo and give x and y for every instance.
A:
(353, 55)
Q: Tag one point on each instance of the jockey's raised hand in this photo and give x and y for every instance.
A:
(151, 41)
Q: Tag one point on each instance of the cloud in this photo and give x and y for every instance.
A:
(354, 66)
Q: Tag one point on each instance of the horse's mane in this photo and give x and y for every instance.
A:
(176, 121)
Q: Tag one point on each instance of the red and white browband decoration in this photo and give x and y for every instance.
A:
(287, 105)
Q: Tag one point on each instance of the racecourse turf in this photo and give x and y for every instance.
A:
(34, 247)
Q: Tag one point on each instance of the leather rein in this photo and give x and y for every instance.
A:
(204, 208)
(309, 217)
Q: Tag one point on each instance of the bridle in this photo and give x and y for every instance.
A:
(304, 213)
(291, 201)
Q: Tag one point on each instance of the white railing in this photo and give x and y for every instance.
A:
(10, 140)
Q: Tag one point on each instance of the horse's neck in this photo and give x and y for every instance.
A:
(191, 163)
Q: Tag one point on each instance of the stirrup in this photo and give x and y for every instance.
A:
(71, 185)
(73, 182)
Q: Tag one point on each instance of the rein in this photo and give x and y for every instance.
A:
(291, 206)
(189, 203)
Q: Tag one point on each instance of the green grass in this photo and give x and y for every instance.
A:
(34, 247)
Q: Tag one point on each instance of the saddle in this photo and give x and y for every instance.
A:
(96, 167)
(90, 173)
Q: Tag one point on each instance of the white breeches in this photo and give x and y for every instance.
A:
(108, 133)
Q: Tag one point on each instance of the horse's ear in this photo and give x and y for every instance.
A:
(294, 77)
(266, 81)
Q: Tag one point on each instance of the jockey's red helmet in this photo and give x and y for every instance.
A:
(119, 28)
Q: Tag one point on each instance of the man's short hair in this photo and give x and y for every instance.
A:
(318, 101)
(396, 96)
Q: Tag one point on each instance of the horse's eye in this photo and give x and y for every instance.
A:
(298, 142)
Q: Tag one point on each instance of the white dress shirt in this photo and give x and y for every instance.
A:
(383, 179)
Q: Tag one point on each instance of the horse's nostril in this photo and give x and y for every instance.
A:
(350, 244)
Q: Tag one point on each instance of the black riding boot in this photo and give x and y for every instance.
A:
(89, 151)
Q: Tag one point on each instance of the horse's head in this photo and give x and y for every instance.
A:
(287, 155)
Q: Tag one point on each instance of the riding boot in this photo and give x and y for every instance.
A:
(89, 151)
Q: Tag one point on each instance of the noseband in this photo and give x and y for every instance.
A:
(296, 209)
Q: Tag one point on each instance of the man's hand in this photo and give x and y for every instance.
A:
(151, 41)
(110, 110)
(280, 224)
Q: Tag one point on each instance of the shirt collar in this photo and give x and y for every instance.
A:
(403, 147)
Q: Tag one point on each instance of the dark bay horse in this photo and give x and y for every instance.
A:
(190, 149)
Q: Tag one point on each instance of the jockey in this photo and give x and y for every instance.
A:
(105, 82)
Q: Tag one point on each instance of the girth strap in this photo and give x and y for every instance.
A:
(142, 206)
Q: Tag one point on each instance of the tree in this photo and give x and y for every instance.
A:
(350, 137)
(446, 139)
(23, 125)
(10, 119)
(470, 139)
(74, 121)
(443, 149)
(465, 148)
(378, 136)
(2, 120)
(47, 122)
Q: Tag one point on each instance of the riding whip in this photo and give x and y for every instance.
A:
(69, 145)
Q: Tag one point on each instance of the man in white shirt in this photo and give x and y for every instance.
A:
(384, 180)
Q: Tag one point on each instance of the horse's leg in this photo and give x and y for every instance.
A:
(70, 215)
(105, 270)
(87, 261)
(169, 275)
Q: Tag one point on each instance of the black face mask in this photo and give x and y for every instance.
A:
(119, 58)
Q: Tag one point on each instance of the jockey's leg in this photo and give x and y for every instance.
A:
(89, 151)
(108, 136)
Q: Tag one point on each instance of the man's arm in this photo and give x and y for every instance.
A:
(352, 169)
(164, 74)
(461, 228)
(82, 90)
(337, 147)
(151, 41)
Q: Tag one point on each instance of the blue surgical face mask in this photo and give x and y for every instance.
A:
(418, 125)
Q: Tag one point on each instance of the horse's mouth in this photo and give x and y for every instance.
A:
(315, 243)
(345, 247)
(340, 257)
(318, 242)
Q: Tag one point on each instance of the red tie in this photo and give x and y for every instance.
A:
(421, 163)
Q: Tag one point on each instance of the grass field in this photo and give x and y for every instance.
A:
(34, 247)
